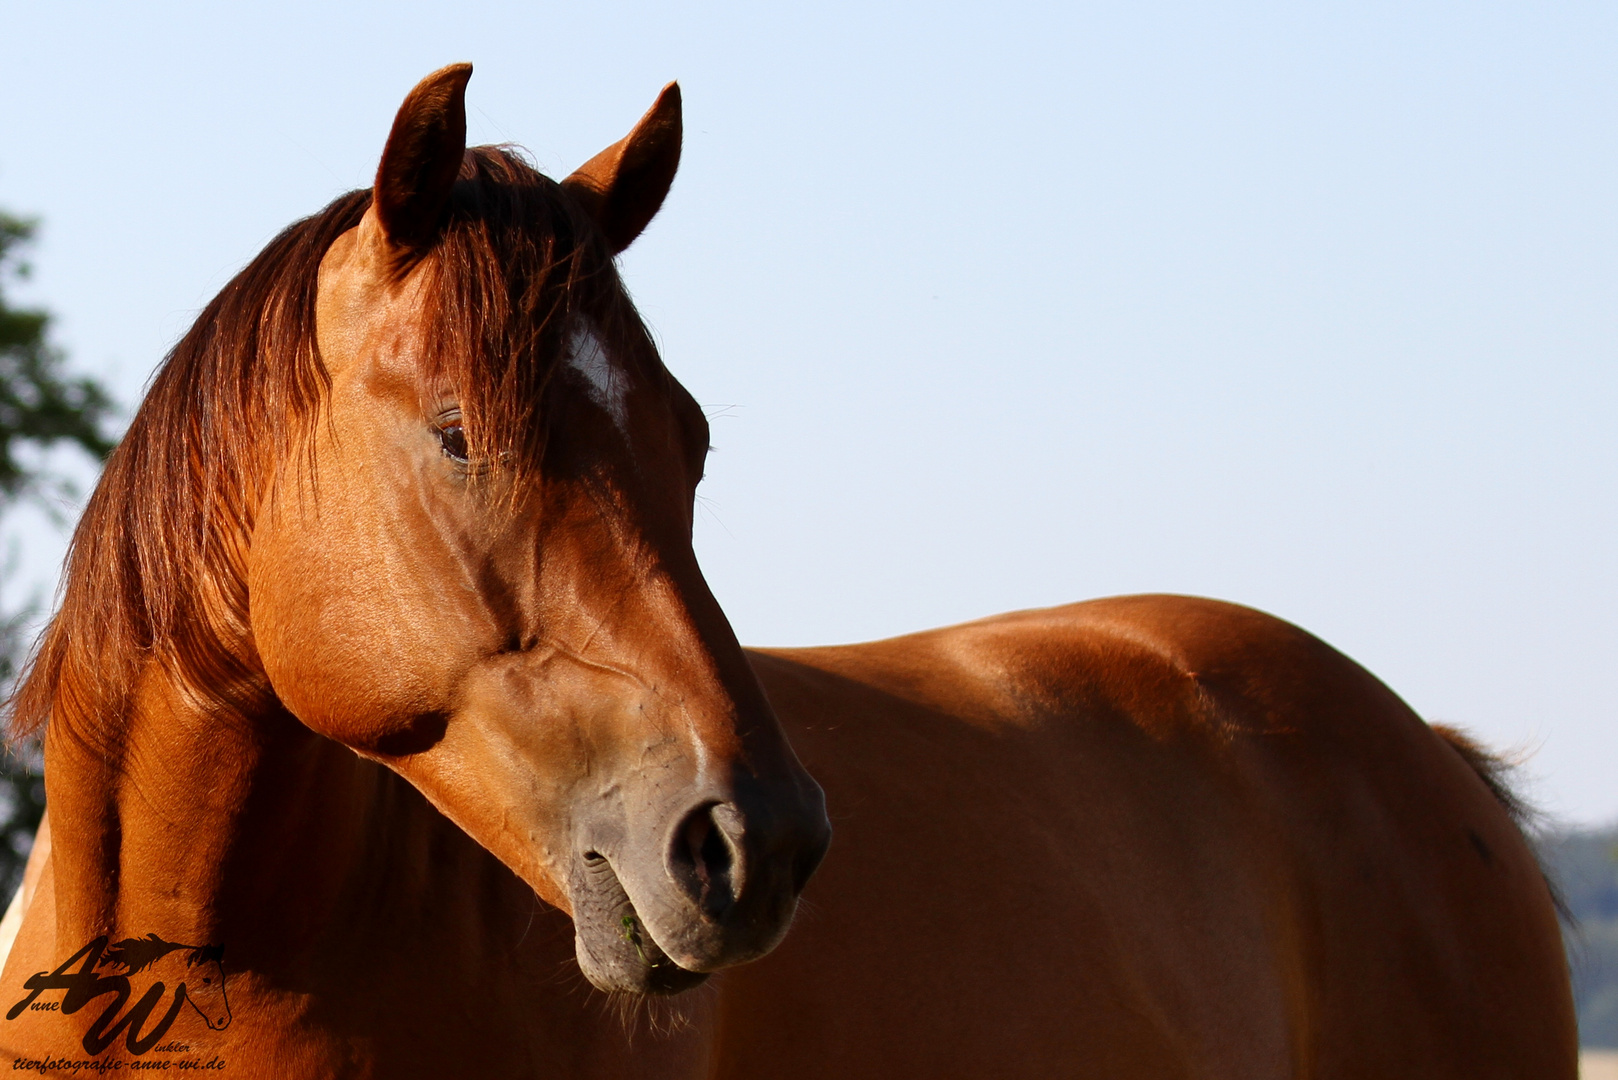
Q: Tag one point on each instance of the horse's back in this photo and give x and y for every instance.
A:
(1149, 836)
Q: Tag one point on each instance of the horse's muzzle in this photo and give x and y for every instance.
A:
(716, 886)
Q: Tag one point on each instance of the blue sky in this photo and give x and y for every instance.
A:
(1309, 307)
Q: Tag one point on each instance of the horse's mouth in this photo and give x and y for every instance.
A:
(615, 950)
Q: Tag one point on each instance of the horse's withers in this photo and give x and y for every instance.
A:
(531, 643)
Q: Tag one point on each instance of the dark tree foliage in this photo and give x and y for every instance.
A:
(1584, 864)
(40, 405)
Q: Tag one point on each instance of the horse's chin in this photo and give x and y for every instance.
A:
(629, 975)
(615, 950)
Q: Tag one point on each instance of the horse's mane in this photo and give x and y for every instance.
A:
(156, 570)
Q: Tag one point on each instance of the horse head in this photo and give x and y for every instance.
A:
(205, 986)
(476, 568)
(201, 980)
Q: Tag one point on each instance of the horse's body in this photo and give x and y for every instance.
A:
(1145, 837)
(344, 738)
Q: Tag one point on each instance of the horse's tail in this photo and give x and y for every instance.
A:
(1495, 771)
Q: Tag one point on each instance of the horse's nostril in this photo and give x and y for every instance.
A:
(702, 855)
(714, 855)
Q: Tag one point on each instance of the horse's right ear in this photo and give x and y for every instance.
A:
(422, 159)
(623, 186)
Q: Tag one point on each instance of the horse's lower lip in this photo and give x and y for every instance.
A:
(664, 974)
(625, 955)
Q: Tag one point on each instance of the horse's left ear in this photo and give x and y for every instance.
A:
(422, 159)
(623, 186)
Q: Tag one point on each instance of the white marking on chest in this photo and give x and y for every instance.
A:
(607, 384)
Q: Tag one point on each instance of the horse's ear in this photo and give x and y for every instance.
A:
(422, 159)
(623, 186)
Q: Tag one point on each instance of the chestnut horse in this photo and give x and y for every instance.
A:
(386, 678)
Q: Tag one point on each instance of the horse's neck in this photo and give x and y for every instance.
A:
(249, 832)
(355, 906)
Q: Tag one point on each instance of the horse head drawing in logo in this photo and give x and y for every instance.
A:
(202, 981)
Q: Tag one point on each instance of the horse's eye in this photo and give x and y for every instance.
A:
(452, 437)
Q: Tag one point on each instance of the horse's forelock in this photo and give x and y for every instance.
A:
(517, 261)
